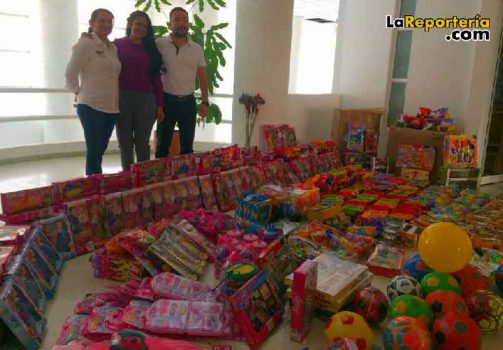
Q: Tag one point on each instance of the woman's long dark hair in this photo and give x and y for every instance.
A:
(148, 43)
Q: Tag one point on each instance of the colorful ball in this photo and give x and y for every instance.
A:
(456, 331)
(486, 308)
(471, 280)
(498, 277)
(371, 304)
(412, 306)
(445, 247)
(347, 324)
(444, 301)
(439, 281)
(403, 285)
(343, 344)
(406, 333)
(416, 267)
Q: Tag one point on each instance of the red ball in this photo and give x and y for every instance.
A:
(456, 331)
(371, 304)
(471, 280)
(444, 301)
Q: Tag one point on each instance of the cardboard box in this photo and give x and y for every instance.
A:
(304, 292)
(371, 117)
(398, 136)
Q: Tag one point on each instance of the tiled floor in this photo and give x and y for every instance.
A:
(76, 279)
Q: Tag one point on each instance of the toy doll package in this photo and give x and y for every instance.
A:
(148, 172)
(132, 209)
(356, 137)
(303, 294)
(207, 192)
(97, 219)
(80, 226)
(27, 281)
(118, 182)
(57, 231)
(22, 317)
(72, 190)
(257, 309)
(113, 214)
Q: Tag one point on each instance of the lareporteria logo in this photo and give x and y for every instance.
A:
(464, 29)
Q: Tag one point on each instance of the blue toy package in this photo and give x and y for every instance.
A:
(57, 231)
(356, 137)
(47, 275)
(47, 250)
(27, 281)
(254, 207)
(22, 317)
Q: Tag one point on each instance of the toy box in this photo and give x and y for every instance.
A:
(257, 309)
(409, 235)
(303, 294)
(386, 261)
(148, 172)
(27, 200)
(75, 189)
(415, 174)
(415, 156)
(356, 137)
(460, 151)
(57, 231)
(118, 182)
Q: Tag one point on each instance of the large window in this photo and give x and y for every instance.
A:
(35, 107)
(314, 33)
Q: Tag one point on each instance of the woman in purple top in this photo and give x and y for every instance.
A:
(141, 95)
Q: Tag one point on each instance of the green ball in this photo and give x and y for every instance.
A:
(439, 281)
(412, 306)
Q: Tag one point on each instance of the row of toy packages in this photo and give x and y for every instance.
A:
(151, 172)
(28, 205)
(209, 222)
(275, 136)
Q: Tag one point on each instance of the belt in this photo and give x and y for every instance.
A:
(179, 98)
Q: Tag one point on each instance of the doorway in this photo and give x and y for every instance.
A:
(493, 163)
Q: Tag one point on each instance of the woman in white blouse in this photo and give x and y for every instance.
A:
(97, 65)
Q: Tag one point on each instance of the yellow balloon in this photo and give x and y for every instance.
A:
(445, 247)
(347, 324)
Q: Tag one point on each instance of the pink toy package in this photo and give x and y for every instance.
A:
(134, 313)
(303, 293)
(197, 238)
(148, 172)
(27, 200)
(169, 195)
(118, 182)
(72, 329)
(157, 201)
(237, 180)
(147, 205)
(194, 195)
(209, 319)
(257, 308)
(207, 192)
(225, 192)
(170, 286)
(167, 317)
(94, 300)
(256, 176)
(181, 194)
(97, 219)
(136, 242)
(114, 215)
(75, 189)
(80, 226)
(13, 235)
(184, 165)
(27, 217)
(132, 209)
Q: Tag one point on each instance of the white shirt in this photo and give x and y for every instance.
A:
(181, 65)
(98, 67)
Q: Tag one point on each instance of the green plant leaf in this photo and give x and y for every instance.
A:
(219, 26)
(220, 3)
(213, 5)
(148, 5)
(223, 40)
(188, 2)
(201, 5)
(166, 2)
(138, 3)
(157, 6)
(198, 21)
(159, 31)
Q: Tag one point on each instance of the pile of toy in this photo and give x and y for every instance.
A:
(157, 228)
(428, 119)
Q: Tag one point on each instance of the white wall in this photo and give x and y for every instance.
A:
(363, 53)
(262, 62)
(440, 72)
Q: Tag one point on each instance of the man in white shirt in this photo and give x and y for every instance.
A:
(184, 61)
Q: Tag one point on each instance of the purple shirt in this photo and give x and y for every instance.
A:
(135, 75)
